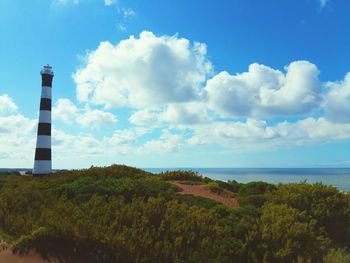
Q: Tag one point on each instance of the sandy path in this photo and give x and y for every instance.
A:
(6, 256)
(200, 190)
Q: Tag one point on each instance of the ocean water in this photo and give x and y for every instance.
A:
(338, 177)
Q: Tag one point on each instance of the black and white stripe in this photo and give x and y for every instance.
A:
(42, 163)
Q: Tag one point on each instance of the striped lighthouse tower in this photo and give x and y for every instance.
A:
(42, 162)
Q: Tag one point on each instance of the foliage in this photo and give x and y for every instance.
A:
(214, 187)
(123, 214)
(181, 176)
(5, 173)
(337, 256)
(256, 200)
(255, 188)
(323, 203)
(289, 234)
(231, 185)
(196, 201)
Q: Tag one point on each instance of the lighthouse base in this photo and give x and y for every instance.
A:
(42, 167)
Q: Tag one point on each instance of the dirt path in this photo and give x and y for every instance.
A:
(6, 256)
(201, 190)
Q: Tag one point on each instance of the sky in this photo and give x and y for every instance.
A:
(158, 83)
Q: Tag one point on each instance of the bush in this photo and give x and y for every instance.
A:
(232, 186)
(181, 175)
(255, 188)
(254, 200)
(337, 256)
(289, 235)
(323, 203)
(122, 214)
(214, 187)
(197, 201)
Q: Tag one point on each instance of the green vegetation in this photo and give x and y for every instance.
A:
(214, 187)
(183, 176)
(124, 214)
(4, 173)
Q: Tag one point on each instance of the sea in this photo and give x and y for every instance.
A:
(338, 177)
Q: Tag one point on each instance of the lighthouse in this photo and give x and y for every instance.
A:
(42, 162)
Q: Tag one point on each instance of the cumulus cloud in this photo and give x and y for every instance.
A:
(17, 137)
(123, 141)
(96, 118)
(185, 114)
(7, 105)
(66, 111)
(144, 117)
(68, 146)
(166, 74)
(337, 100)
(121, 137)
(143, 72)
(168, 84)
(167, 143)
(256, 135)
(263, 91)
(16, 125)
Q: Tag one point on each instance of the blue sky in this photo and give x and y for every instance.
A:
(178, 83)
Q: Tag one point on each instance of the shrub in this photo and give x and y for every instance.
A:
(255, 188)
(181, 175)
(254, 200)
(214, 187)
(337, 256)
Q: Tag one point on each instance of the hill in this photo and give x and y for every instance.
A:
(124, 214)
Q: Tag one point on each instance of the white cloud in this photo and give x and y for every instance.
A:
(337, 100)
(144, 118)
(110, 2)
(128, 13)
(121, 137)
(16, 124)
(165, 81)
(311, 129)
(121, 27)
(167, 143)
(178, 114)
(123, 141)
(66, 111)
(96, 118)
(185, 114)
(143, 72)
(251, 129)
(67, 146)
(76, 2)
(257, 135)
(64, 2)
(17, 137)
(263, 91)
(7, 105)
